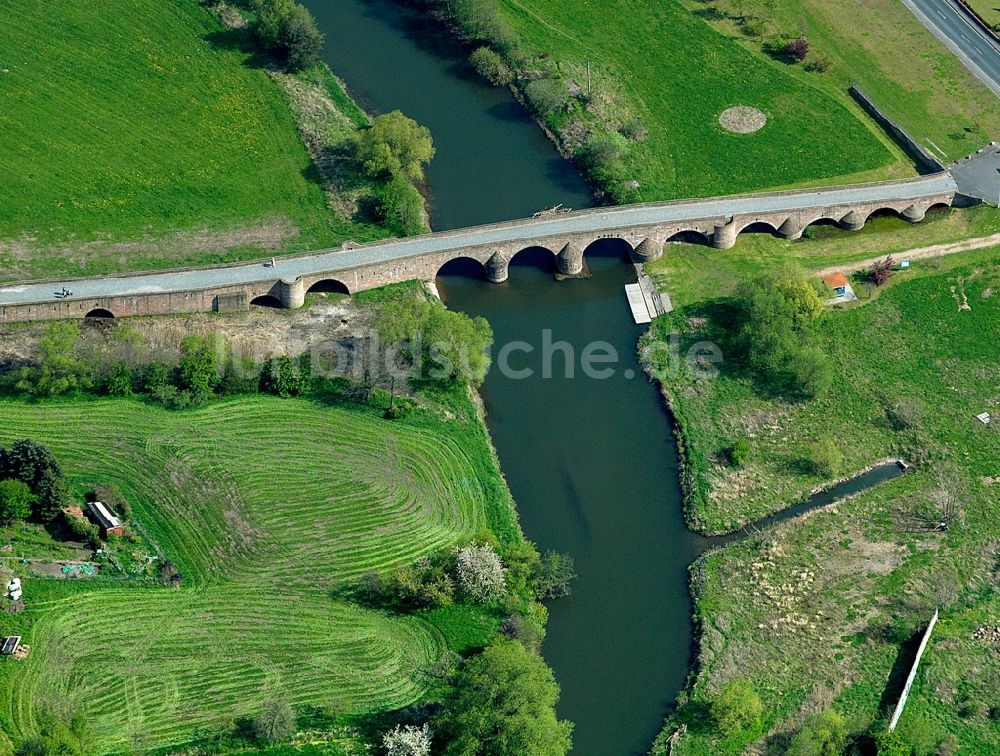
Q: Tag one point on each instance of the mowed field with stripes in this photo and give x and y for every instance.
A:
(266, 505)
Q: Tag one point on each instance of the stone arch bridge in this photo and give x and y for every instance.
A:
(353, 268)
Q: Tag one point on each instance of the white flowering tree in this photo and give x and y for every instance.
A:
(480, 573)
(408, 740)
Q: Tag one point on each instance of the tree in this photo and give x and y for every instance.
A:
(400, 207)
(34, 465)
(491, 66)
(276, 722)
(891, 744)
(434, 342)
(822, 734)
(737, 707)
(119, 381)
(15, 501)
(395, 145)
(529, 634)
(881, 271)
(59, 370)
(778, 339)
(481, 574)
(503, 704)
(554, 574)
(287, 29)
(408, 740)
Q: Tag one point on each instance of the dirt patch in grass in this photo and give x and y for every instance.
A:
(742, 119)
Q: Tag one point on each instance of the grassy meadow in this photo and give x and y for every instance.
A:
(883, 47)
(818, 612)
(147, 135)
(266, 505)
(662, 64)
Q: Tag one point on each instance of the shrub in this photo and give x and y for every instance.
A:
(825, 457)
(737, 707)
(481, 574)
(823, 734)
(119, 380)
(903, 414)
(491, 66)
(891, 744)
(546, 95)
(281, 377)
(881, 271)
(400, 207)
(198, 372)
(154, 377)
(15, 501)
(83, 530)
(110, 495)
(796, 49)
(395, 145)
(808, 373)
(169, 574)
(634, 130)
(408, 740)
(529, 634)
(275, 723)
(818, 63)
(739, 452)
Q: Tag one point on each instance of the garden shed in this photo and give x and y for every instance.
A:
(106, 521)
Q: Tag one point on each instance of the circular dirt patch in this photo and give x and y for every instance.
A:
(742, 119)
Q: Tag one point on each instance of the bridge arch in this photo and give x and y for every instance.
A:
(99, 312)
(462, 266)
(758, 227)
(266, 300)
(329, 286)
(609, 246)
(689, 236)
(884, 212)
(534, 256)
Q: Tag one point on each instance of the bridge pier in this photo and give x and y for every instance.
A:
(569, 261)
(724, 237)
(914, 213)
(292, 293)
(853, 221)
(647, 251)
(496, 268)
(791, 229)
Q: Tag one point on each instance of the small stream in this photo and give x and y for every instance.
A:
(592, 462)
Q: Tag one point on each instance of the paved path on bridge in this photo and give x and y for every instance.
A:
(976, 48)
(597, 221)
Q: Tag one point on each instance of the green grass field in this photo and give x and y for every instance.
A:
(677, 74)
(986, 10)
(814, 613)
(142, 135)
(266, 505)
(883, 47)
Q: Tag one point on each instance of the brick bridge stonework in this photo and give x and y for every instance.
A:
(646, 244)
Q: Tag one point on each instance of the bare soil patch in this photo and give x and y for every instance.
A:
(742, 119)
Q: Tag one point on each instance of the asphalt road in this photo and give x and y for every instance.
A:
(977, 50)
(595, 221)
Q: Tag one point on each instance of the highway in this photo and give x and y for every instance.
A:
(975, 47)
(596, 221)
